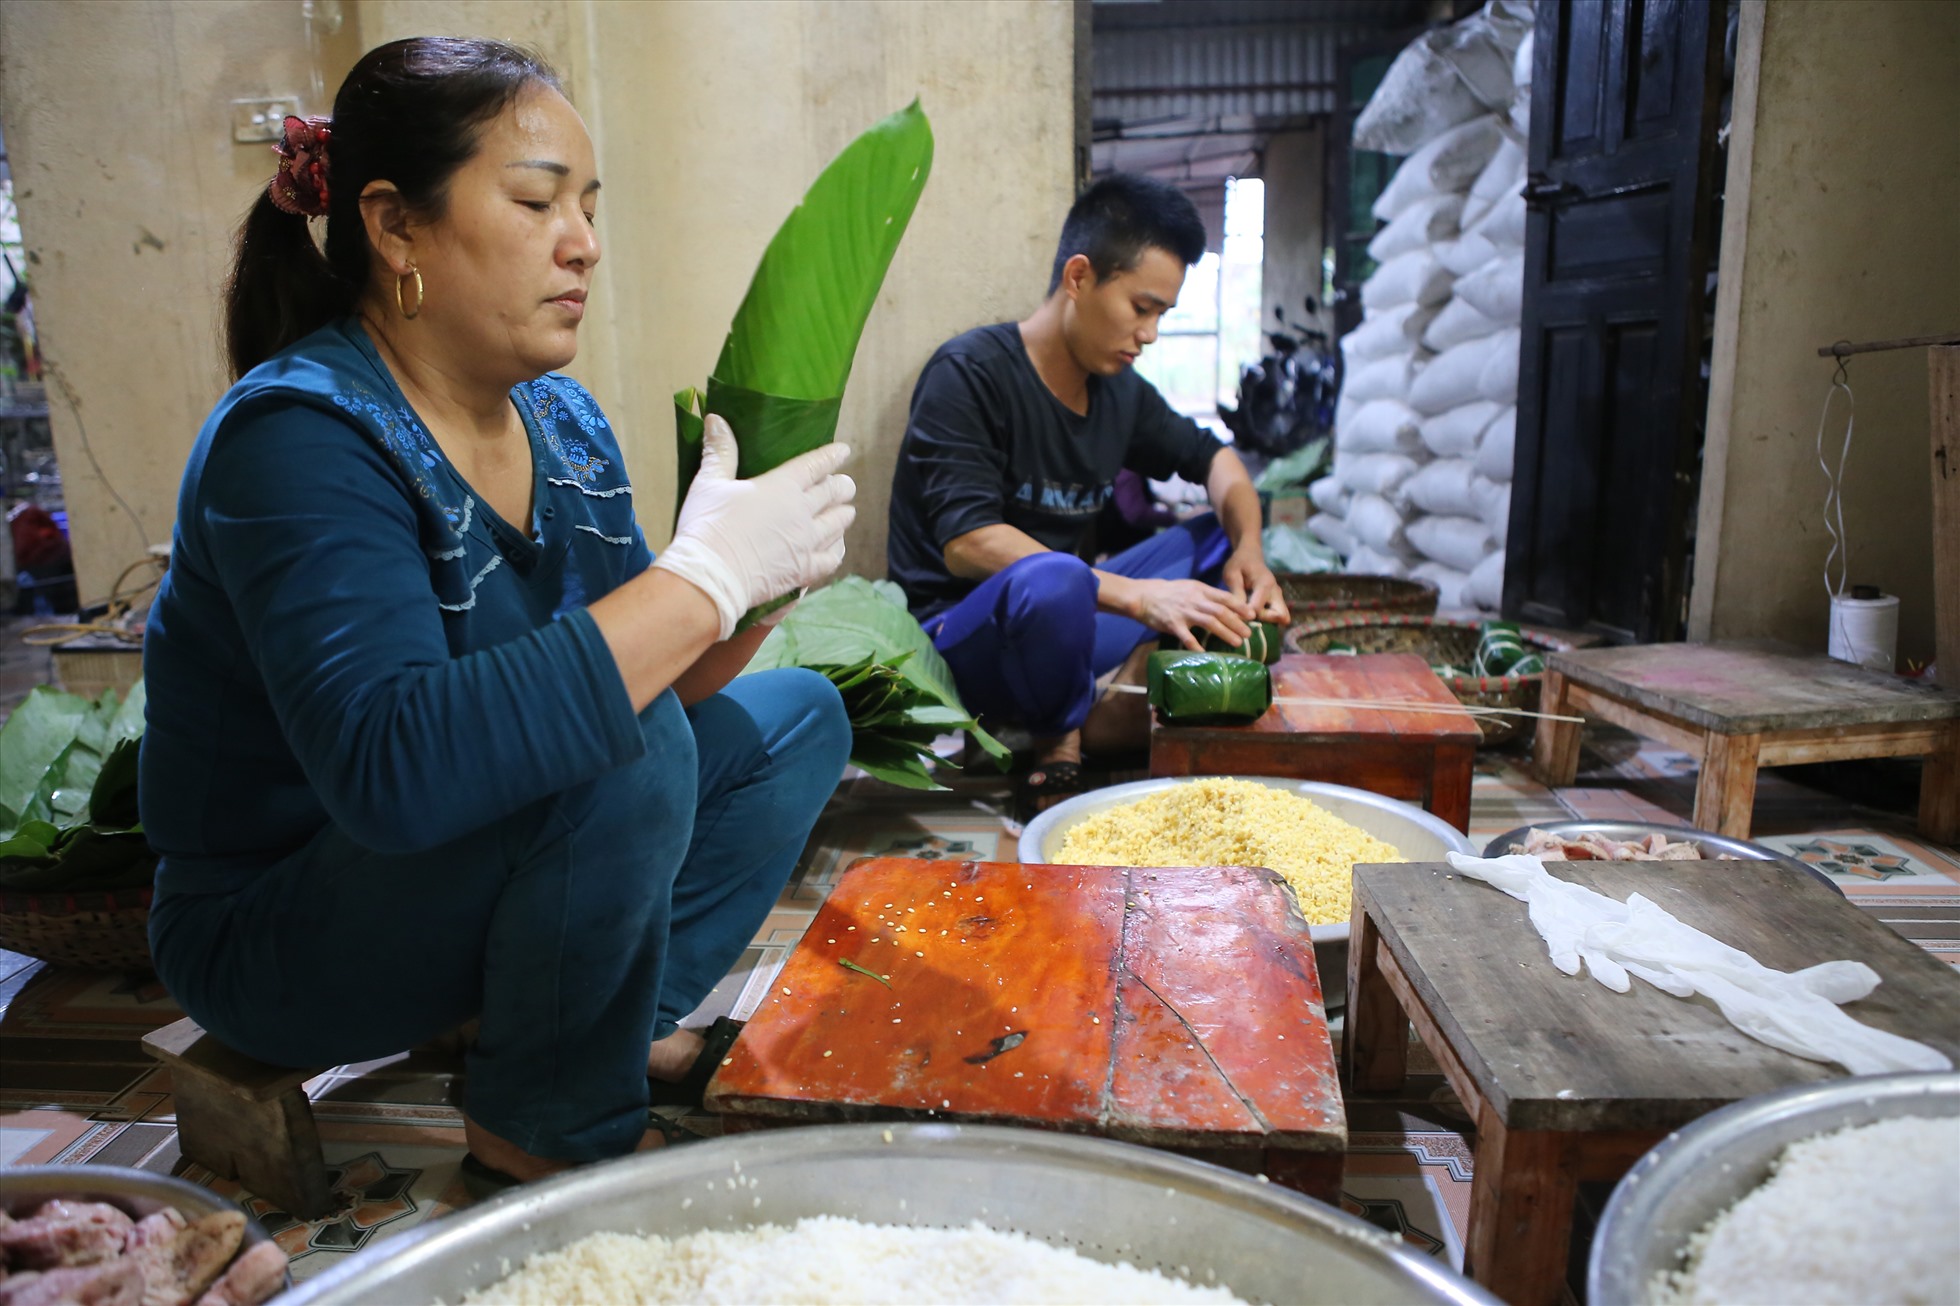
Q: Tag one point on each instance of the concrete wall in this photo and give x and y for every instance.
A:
(710, 120)
(1840, 224)
(1295, 172)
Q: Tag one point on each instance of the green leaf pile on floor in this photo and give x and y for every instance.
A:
(898, 690)
(68, 816)
(779, 382)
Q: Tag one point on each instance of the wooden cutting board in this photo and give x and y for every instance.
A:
(1558, 1052)
(1173, 1007)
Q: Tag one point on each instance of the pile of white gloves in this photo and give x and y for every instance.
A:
(1796, 1011)
(744, 543)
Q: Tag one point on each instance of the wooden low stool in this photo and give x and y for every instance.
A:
(1423, 757)
(1175, 1008)
(1566, 1081)
(243, 1119)
(1749, 704)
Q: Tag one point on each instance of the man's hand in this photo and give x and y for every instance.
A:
(1186, 607)
(1252, 583)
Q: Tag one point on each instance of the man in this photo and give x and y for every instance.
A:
(1016, 436)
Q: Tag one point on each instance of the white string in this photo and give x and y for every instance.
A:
(1834, 483)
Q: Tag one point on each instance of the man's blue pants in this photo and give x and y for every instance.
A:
(580, 928)
(1027, 645)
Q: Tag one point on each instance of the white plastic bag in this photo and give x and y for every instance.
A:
(1414, 277)
(1445, 76)
(1377, 523)
(1457, 323)
(1459, 542)
(1419, 226)
(1329, 495)
(1379, 426)
(1377, 473)
(1496, 289)
(1465, 254)
(1456, 432)
(1395, 330)
(1453, 377)
(1445, 486)
(1331, 531)
(1498, 382)
(1486, 584)
(1495, 450)
(1503, 175)
(1446, 165)
(1449, 582)
(1387, 377)
(1503, 225)
(1521, 78)
(1491, 502)
(1365, 561)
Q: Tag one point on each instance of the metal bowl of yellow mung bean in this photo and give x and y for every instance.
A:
(1226, 821)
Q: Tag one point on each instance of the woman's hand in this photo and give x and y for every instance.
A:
(743, 543)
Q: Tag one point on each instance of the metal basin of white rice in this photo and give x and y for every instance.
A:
(1105, 1200)
(1698, 1172)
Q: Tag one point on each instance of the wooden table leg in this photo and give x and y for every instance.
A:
(1375, 1034)
(1555, 750)
(1317, 1174)
(1725, 796)
(1522, 1187)
(1450, 770)
(1939, 789)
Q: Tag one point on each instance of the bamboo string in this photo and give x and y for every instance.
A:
(1393, 705)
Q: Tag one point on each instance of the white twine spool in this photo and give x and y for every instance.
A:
(1865, 630)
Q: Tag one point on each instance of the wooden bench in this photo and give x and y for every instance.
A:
(1567, 1081)
(1748, 704)
(243, 1119)
(1175, 1008)
(1421, 756)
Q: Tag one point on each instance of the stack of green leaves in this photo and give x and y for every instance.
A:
(1295, 470)
(1218, 688)
(68, 816)
(779, 383)
(897, 689)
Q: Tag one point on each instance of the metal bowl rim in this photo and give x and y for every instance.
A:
(1747, 851)
(1694, 1146)
(1037, 830)
(820, 1142)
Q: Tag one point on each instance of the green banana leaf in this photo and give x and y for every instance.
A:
(896, 688)
(1220, 688)
(779, 382)
(68, 812)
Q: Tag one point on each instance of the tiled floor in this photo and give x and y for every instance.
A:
(75, 1087)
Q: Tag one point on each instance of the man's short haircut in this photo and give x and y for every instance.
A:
(1122, 215)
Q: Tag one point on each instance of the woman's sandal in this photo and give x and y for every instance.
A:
(689, 1089)
(1047, 784)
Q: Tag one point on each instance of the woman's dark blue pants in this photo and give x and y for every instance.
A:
(579, 929)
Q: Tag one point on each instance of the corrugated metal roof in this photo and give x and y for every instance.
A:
(1264, 70)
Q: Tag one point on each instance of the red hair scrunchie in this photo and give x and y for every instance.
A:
(300, 185)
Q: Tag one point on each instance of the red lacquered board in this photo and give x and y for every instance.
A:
(1173, 1007)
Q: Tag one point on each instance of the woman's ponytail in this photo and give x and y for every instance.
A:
(409, 114)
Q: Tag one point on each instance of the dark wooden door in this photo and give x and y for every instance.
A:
(1621, 225)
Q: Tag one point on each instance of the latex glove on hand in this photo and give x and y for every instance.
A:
(743, 543)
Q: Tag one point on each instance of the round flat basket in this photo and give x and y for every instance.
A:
(1438, 641)
(95, 931)
(1311, 595)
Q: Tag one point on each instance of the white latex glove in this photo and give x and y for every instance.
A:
(743, 543)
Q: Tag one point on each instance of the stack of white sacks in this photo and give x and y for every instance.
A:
(1424, 429)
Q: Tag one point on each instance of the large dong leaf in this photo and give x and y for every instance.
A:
(781, 374)
(37, 735)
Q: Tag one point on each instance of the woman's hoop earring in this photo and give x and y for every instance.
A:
(406, 312)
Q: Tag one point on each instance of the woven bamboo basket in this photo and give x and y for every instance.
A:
(1436, 640)
(109, 930)
(1311, 595)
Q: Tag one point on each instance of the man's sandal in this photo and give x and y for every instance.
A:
(1047, 784)
(691, 1087)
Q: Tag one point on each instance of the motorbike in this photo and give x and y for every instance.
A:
(1287, 397)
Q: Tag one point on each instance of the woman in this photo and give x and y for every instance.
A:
(429, 739)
